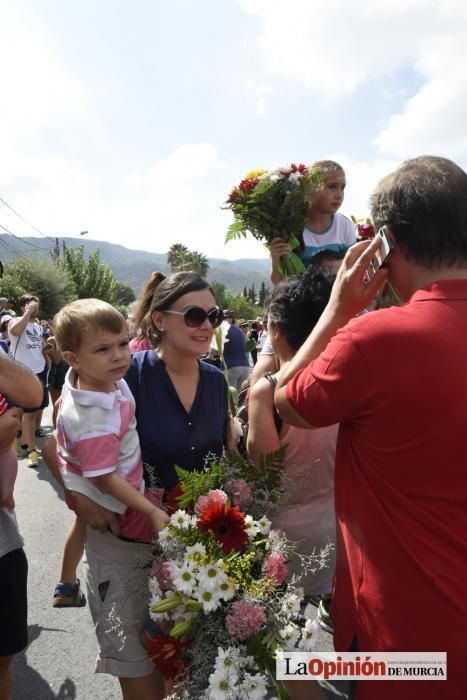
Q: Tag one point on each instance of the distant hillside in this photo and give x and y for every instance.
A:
(134, 266)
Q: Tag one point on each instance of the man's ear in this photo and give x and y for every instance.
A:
(71, 359)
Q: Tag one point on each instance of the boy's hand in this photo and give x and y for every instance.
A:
(32, 308)
(159, 519)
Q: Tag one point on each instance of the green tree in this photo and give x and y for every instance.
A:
(245, 292)
(199, 263)
(124, 294)
(220, 294)
(92, 277)
(242, 307)
(51, 283)
(263, 294)
(252, 294)
(178, 257)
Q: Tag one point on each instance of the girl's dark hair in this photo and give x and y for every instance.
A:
(297, 304)
(159, 294)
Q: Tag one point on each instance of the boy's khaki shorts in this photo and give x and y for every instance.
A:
(116, 575)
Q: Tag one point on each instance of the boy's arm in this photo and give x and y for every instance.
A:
(116, 486)
(95, 516)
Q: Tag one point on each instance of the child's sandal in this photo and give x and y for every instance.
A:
(68, 595)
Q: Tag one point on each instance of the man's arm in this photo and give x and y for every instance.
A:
(19, 384)
(18, 325)
(350, 294)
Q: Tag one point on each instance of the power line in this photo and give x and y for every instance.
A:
(25, 221)
(21, 239)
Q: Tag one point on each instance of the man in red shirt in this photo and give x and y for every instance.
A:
(396, 381)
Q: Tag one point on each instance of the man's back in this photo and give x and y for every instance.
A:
(396, 379)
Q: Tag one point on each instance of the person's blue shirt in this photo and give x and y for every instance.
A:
(168, 434)
(235, 349)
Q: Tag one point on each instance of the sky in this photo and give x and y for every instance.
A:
(132, 120)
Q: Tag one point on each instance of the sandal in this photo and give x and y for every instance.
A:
(40, 433)
(68, 595)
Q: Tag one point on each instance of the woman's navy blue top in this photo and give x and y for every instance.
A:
(168, 434)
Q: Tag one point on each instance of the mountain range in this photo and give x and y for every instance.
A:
(134, 266)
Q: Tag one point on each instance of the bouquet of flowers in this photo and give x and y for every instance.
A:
(219, 587)
(272, 204)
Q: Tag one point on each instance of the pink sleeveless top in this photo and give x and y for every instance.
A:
(307, 512)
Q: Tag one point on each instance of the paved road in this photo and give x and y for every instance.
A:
(59, 662)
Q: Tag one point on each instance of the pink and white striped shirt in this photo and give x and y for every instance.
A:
(96, 435)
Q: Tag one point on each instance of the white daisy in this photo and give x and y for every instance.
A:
(183, 576)
(252, 527)
(181, 519)
(309, 635)
(210, 600)
(211, 576)
(264, 525)
(290, 634)
(254, 687)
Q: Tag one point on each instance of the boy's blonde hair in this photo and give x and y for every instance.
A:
(72, 322)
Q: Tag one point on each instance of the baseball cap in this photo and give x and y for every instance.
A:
(5, 317)
(229, 313)
(4, 300)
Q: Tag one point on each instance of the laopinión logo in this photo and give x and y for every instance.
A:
(361, 666)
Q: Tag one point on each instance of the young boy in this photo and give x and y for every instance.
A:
(97, 444)
(325, 228)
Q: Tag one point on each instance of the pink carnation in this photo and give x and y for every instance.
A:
(245, 619)
(214, 497)
(242, 494)
(274, 567)
(161, 570)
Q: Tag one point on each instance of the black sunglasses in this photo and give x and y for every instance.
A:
(195, 316)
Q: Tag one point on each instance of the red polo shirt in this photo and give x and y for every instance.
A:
(396, 381)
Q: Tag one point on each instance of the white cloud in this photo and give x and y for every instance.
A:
(334, 48)
(258, 96)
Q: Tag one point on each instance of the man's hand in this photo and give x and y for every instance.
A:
(351, 293)
(95, 516)
(9, 426)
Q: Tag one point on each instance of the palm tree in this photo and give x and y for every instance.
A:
(178, 257)
(199, 263)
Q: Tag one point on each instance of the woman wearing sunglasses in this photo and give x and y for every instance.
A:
(181, 402)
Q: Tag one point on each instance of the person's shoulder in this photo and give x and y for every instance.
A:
(345, 224)
(143, 359)
(208, 369)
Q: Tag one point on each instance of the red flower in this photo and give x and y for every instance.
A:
(366, 230)
(227, 524)
(248, 185)
(170, 498)
(167, 654)
(233, 196)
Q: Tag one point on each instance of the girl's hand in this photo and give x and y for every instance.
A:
(278, 248)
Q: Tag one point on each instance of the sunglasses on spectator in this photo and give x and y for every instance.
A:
(195, 316)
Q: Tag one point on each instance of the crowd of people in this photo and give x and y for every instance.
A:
(367, 404)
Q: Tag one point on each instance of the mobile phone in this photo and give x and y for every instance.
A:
(381, 256)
